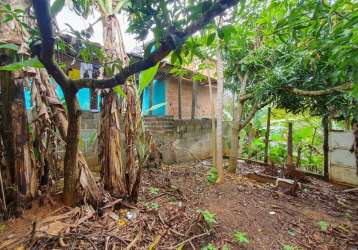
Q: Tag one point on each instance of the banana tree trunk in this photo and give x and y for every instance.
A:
(109, 141)
(113, 169)
(75, 163)
(19, 154)
(123, 177)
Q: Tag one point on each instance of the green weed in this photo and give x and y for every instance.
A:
(241, 238)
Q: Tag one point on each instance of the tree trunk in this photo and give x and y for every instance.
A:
(236, 128)
(325, 123)
(267, 135)
(110, 146)
(290, 167)
(18, 151)
(130, 174)
(80, 172)
(71, 170)
(250, 138)
(219, 112)
(94, 99)
(299, 151)
(212, 113)
(113, 169)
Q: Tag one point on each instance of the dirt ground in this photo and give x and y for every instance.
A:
(169, 215)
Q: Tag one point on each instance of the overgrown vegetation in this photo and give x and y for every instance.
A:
(286, 64)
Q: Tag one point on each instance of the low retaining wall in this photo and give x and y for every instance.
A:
(178, 140)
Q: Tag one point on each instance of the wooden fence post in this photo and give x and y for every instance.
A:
(290, 166)
(325, 123)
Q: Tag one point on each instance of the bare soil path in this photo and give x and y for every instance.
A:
(169, 215)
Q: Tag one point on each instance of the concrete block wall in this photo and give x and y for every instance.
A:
(179, 140)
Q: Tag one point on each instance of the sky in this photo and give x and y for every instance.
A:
(78, 23)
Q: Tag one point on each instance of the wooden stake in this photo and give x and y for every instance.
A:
(325, 123)
(290, 167)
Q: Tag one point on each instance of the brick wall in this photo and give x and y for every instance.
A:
(202, 103)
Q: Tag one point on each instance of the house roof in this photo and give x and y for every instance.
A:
(137, 54)
(166, 67)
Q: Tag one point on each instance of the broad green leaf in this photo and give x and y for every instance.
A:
(56, 7)
(147, 76)
(9, 46)
(156, 106)
(33, 62)
(118, 90)
(210, 39)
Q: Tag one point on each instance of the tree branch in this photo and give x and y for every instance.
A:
(245, 97)
(340, 88)
(171, 42)
(251, 114)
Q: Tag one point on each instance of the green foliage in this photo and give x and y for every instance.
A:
(33, 62)
(146, 77)
(56, 7)
(287, 247)
(213, 175)
(152, 205)
(241, 238)
(209, 247)
(208, 217)
(118, 90)
(153, 190)
(323, 225)
(225, 247)
(10, 46)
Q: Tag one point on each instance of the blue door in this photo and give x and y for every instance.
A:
(158, 98)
